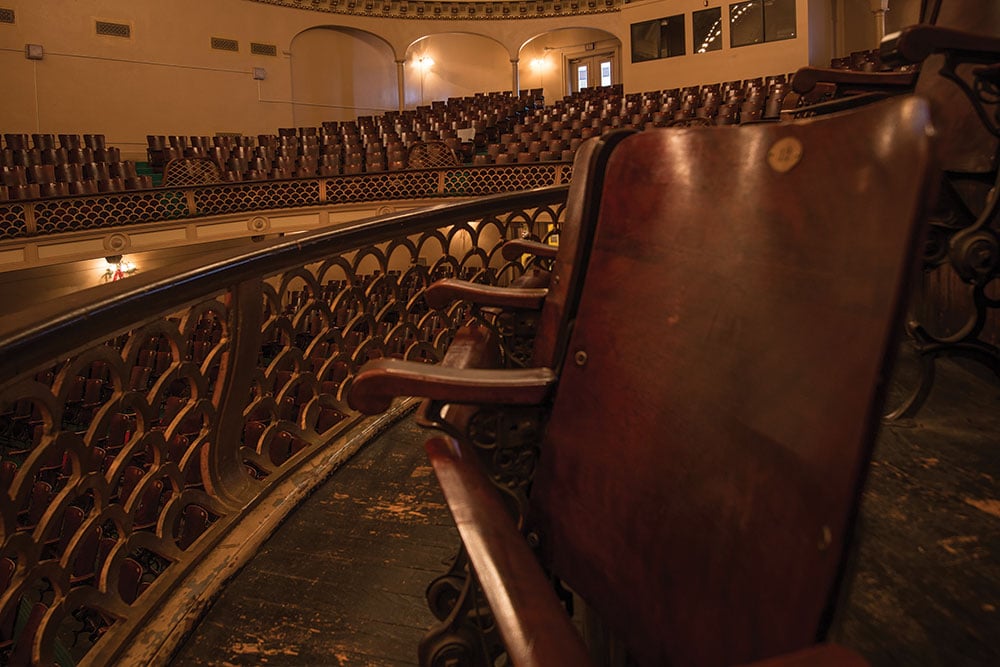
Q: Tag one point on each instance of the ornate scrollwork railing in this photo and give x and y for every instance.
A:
(140, 421)
(953, 310)
(954, 313)
(504, 10)
(23, 219)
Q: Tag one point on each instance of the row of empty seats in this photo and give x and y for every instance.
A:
(487, 128)
(48, 165)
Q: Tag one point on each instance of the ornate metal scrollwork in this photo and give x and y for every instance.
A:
(973, 253)
(123, 463)
(962, 253)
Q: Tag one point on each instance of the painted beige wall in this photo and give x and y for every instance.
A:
(726, 64)
(166, 79)
(463, 64)
(552, 50)
(860, 24)
(339, 73)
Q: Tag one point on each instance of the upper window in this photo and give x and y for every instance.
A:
(706, 27)
(756, 21)
(659, 38)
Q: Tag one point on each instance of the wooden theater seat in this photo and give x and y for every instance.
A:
(477, 346)
(713, 416)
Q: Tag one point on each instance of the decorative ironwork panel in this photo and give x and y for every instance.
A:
(263, 195)
(109, 210)
(490, 180)
(378, 186)
(122, 463)
(12, 221)
(431, 9)
(66, 214)
(103, 488)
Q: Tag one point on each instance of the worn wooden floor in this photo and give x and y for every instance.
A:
(341, 583)
(926, 585)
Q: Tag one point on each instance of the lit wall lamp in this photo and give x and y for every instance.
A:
(118, 267)
(539, 66)
(34, 51)
(424, 63)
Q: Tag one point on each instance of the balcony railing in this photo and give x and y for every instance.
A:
(29, 218)
(153, 429)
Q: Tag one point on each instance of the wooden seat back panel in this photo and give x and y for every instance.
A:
(575, 238)
(717, 406)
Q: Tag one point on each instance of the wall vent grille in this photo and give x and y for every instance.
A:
(263, 49)
(223, 44)
(113, 29)
(6, 15)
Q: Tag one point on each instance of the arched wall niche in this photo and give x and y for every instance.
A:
(542, 61)
(339, 73)
(455, 64)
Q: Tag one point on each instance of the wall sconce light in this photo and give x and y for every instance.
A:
(259, 73)
(539, 64)
(34, 51)
(539, 67)
(118, 267)
(424, 63)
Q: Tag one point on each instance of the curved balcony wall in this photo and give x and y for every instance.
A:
(44, 231)
(155, 429)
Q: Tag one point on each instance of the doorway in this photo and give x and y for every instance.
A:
(591, 71)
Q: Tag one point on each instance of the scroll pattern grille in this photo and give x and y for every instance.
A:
(12, 222)
(388, 185)
(481, 181)
(56, 215)
(432, 9)
(110, 210)
(119, 462)
(257, 196)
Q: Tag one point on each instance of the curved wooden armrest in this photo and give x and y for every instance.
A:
(914, 43)
(535, 628)
(514, 248)
(836, 104)
(442, 293)
(380, 381)
(806, 78)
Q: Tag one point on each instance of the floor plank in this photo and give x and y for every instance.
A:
(342, 581)
(926, 583)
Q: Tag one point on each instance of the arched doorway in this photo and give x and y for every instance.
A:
(455, 64)
(562, 61)
(339, 73)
